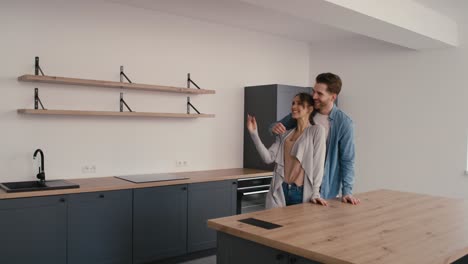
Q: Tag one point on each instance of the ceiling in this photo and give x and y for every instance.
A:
(315, 21)
(455, 9)
(244, 15)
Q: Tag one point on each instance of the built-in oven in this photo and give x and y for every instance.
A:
(251, 193)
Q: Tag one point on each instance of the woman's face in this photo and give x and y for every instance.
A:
(299, 109)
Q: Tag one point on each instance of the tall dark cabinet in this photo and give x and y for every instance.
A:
(268, 103)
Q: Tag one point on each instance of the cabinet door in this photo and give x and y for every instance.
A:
(100, 228)
(299, 260)
(33, 230)
(234, 250)
(206, 201)
(265, 114)
(159, 223)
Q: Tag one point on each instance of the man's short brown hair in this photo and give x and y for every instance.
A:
(332, 81)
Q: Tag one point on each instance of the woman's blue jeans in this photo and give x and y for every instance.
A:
(292, 193)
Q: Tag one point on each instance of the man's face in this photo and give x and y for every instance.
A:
(322, 98)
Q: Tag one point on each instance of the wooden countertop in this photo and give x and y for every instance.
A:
(112, 183)
(387, 227)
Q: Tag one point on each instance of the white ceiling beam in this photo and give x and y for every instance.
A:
(402, 22)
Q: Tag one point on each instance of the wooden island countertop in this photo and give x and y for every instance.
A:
(112, 183)
(387, 227)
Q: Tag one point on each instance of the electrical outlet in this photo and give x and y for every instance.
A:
(181, 163)
(85, 169)
(88, 169)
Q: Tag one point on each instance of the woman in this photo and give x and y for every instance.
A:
(299, 155)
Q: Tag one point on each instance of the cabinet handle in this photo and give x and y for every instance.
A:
(62, 200)
(101, 196)
(293, 260)
(184, 188)
(234, 183)
(279, 257)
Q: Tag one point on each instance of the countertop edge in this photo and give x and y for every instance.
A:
(126, 185)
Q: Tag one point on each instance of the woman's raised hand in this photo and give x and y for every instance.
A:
(251, 123)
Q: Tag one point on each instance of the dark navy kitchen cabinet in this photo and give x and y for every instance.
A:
(142, 225)
(33, 230)
(100, 227)
(300, 260)
(208, 200)
(234, 250)
(159, 223)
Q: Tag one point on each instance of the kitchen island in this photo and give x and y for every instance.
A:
(387, 227)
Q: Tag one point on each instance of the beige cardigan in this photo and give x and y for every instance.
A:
(309, 149)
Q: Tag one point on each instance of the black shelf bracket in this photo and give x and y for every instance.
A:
(190, 81)
(37, 100)
(190, 105)
(123, 75)
(123, 103)
(37, 68)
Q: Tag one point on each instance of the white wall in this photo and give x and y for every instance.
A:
(90, 39)
(410, 112)
(409, 107)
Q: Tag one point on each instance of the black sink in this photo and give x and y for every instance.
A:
(28, 186)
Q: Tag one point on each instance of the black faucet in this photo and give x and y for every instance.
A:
(41, 174)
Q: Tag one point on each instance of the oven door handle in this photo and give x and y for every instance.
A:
(255, 178)
(253, 187)
(257, 192)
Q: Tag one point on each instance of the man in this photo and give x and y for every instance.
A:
(339, 161)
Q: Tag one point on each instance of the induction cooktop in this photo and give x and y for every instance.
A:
(151, 177)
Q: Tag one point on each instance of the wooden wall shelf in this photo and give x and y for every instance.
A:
(111, 84)
(109, 113)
